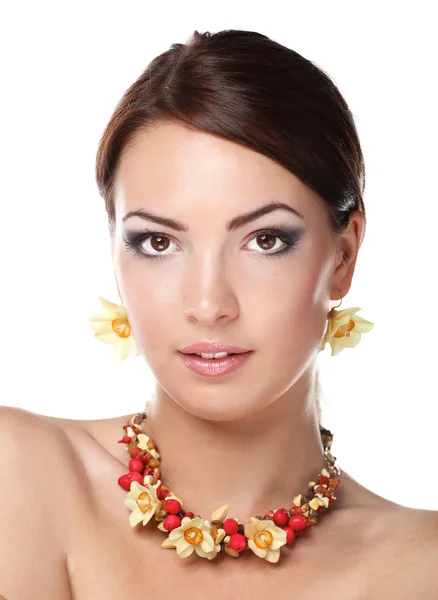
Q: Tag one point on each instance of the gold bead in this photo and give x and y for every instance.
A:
(231, 552)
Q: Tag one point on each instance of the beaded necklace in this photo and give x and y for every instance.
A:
(187, 532)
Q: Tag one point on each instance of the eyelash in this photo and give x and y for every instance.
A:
(291, 239)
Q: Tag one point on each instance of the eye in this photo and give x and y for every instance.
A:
(148, 244)
(276, 242)
(266, 240)
(155, 242)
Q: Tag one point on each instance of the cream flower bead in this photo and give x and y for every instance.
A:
(265, 539)
(112, 327)
(143, 501)
(193, 535)
(143, 440)
(344, 329)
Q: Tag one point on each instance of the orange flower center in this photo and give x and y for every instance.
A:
(144, 502)
(263, 538)
(121, 327)
(344, 330)
(193, 535)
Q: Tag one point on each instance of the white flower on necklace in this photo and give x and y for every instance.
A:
(265, 539)
(143, 501)
(193, 535)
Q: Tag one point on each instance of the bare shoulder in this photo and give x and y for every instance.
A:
(21, 430)
(402, 562)
(33, 454)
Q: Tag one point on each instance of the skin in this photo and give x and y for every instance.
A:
(259, 424)
(249, 439)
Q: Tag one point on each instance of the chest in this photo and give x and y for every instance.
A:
(114, 566)
(109, 559)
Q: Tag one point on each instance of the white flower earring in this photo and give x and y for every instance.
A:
(344, 329)
(113, 327)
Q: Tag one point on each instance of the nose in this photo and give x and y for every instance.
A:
(209, 295)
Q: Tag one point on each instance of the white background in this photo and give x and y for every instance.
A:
(65, 65)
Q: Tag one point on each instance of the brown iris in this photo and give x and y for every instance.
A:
(161, 245)
(267, 245)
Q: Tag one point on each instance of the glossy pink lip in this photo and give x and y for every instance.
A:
(212, 348)
(214, 367)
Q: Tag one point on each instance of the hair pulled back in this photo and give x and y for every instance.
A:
(249, 89)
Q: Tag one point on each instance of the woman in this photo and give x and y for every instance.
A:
(233, 181)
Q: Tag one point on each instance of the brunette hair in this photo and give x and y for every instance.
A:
(249, 89)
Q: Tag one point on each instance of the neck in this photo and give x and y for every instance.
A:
(255, 464)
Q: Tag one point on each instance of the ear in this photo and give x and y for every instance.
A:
(348, 244)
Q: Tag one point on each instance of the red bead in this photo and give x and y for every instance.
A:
(171, 522)
(296, 510)
(290, 534)
(162, 494)
(125, 480)
(269, 514)
(230, 526)
(145, 457)
(281, 517)
(125, 440)
(323, 480)
(173, 506)
(136, 465)
(149, 470)
(298, 522)
(237, 542)
(136, 476)
(189, 514)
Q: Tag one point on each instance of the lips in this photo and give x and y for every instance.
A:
(213, 348)
(215, 367)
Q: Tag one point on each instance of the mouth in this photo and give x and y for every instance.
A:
(218, 356)
(214, 367)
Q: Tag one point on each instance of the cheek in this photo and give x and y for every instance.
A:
(292, 312)
(154, 307)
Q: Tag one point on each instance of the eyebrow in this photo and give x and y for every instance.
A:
(232, 225)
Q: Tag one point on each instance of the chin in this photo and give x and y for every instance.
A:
(218, 405)
(225, 413)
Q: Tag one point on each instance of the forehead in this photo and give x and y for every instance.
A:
(171, 165)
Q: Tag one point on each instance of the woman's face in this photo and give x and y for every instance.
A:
(209, 282)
